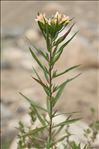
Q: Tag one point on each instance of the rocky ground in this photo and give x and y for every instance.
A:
(16, 61)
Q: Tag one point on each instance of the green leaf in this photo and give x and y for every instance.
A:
(78, 146)
(46, 74)
(45, 87)
(48, 42)
(39, 116)
(36, 73)
(55, 87)
(66, 122)
(35, 57)
(35, 131)
(49, 34)
(42, 28)
(61, 48)
(54, 73)
(40, 82)
(54, 50)
(61, 88)
(43, 67)
(73, 67)
(40, 51)
(66, 113)
(62, 38)
(58, 130)
(43, 54)
(33, 103)
(39, 79)
(60, 139)
(59, 52)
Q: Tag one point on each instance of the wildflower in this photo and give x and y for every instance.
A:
(40, 17)
(65, 19)
(53, 24)
(57, 15)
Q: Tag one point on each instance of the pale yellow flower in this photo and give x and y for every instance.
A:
(65, 19)
(53, 20)
(61, 18)
(40, 18)
(58, 15)
(49, 21)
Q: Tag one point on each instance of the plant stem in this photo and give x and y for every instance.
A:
(50, 97)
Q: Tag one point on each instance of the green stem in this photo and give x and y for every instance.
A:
(50, 97)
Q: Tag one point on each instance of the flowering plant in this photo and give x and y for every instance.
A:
(52, 26)
(44, 136)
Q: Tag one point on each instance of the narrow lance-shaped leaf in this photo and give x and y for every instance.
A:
(66, 113)
(45, 71)
(55, 29)
(35, 131)
(61, 88)
(43, 85)
(37, 113)
(46, 74)
(35, 57)
(36, 73)
(40, 51)
(66, 122)
(61, 127)
(55, 87)
(39, 79)
(33, 103)
(39, 116)
(44, 55)
(59, 52)
(47, 37)
(41, 26)
(55, 49)
(60, 139)
(58, 130)
(67, 42)
(62, 38)
(73, 67)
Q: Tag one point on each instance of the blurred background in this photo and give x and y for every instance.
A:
(17, 23)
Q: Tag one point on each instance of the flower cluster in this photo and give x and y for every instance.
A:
(52, 25)
(57, 18)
